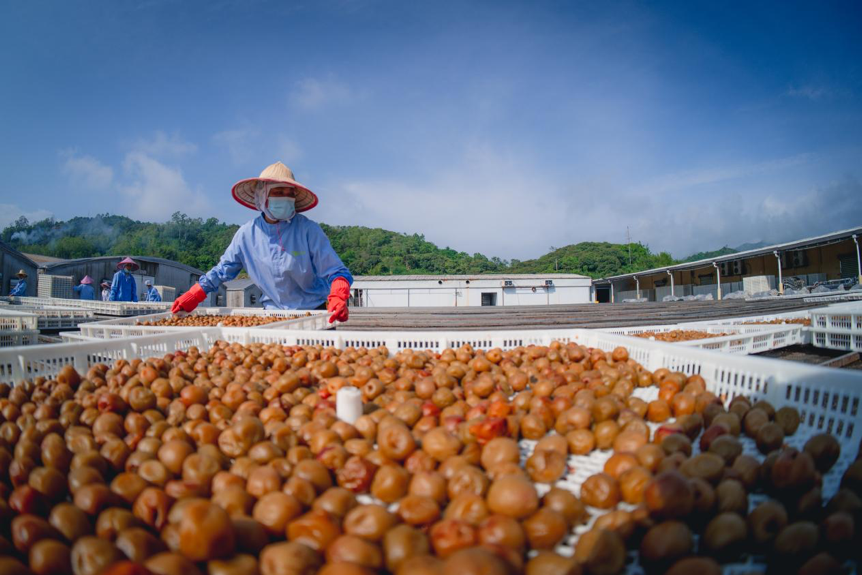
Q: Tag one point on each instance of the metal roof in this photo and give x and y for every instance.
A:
(9, 249)
(40, 259)
(190, 269)
(471, 277)
(815, 241)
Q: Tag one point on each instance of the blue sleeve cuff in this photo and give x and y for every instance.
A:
(345, 274)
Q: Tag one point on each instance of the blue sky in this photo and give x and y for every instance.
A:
(499, 127)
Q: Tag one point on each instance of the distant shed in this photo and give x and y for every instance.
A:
(470, 290)
(243, 293)
(11, 262)
(159, 271)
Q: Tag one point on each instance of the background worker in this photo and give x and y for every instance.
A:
(106, 290)
(123, 287)
(286, 254)
(85, 289)
(152, 293)
(21, 287)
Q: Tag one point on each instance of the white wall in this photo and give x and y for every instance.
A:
(429, 293)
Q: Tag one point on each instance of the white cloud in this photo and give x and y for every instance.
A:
(164, 146)
(504, 205)
(9, 213)
(239, 143)
(491, 203)
(710, 221)
(810, 92)
(313, 94)
(288, 151)
(86, 171)
(692, 178)
(147, 185)
(155, 190)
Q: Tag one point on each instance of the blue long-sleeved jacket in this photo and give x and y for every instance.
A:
(153, 295)
(20, 289)
(85, 291)
(291, 262)
(123, 288)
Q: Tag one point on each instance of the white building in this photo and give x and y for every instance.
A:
(470, 290)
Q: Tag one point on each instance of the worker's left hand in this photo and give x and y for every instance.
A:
(339, 292)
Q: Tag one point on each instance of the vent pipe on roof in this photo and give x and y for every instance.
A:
(717, 278)
(858, 260)
(780, 281)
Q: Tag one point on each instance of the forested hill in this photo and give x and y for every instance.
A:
(366, 251)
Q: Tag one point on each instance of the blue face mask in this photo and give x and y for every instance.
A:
(127, 272)
(282, 208)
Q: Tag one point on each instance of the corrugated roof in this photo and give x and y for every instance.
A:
(9, 249)
(472, 277)
(794, 245)
(40, 259)
(196, 271)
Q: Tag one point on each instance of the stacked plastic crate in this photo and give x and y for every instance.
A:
(18, 327)
(55, 286)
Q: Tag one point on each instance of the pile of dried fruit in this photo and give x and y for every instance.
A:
(796, 320)
(231, 461)
(222, 320)
(678, 335)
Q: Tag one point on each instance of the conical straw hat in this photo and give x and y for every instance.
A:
(244, 190)
(130, 261)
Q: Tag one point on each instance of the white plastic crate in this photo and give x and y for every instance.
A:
(18, 337)
(168, 293)
(54, 286)
(113, 308)
(831, 397)
(61, 318)
(802, 314)
(828, 400)
(129, 327)
(838, 327)
(74, 337)
(742, 339)
(13, 319)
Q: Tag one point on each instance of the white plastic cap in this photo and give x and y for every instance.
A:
(348, 404)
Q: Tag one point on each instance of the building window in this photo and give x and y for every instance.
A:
(489, 299)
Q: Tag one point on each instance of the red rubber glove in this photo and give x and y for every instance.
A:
(189, 300)
(339, 292)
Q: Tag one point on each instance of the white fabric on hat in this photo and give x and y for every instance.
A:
(261, 193)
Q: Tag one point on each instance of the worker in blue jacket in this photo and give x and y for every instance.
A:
(286, 254)
(85, 289)
(152, 293)
(123, 287)
(20, 288)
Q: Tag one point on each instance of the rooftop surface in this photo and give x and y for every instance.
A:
(794, 245)
(471, 277)
(563, 316)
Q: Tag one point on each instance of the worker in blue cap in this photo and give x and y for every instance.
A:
(20, 288)
(124, 287)
(286, 254)
(152, 293)
(85, 289)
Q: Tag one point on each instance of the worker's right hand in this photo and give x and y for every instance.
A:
(189, 300)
